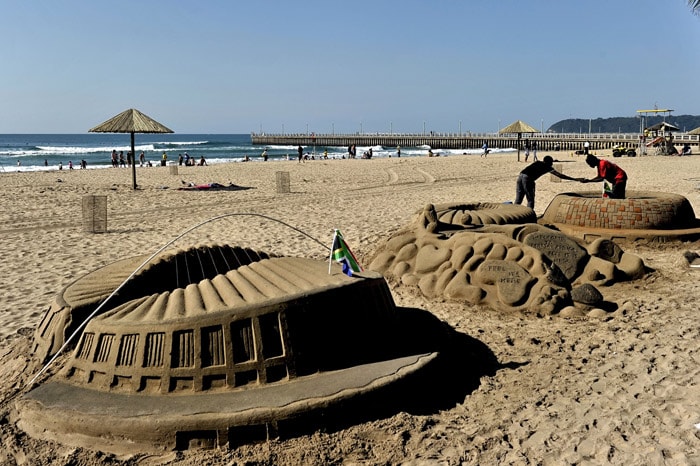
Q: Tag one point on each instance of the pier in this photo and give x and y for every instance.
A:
(545, 141)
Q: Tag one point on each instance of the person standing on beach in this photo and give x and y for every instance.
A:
(525, 186)
(142, 158)
(586, 146)
(609, 172)
(164, 160)
(398, 151)
(534, 151)
(300, 153)
(527, 149)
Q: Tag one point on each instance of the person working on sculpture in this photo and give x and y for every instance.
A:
(525, 187)
(609, 172)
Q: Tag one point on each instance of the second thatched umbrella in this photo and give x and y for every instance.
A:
(518, 127)
(131, 121)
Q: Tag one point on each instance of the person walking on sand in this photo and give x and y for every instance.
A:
(609, 172)
(485, 149)
(525, 186)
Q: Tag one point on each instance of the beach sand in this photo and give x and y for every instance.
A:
(624, 389)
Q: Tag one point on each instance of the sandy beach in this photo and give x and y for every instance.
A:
(624, 389)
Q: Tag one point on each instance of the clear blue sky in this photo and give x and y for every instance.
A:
(224, 66)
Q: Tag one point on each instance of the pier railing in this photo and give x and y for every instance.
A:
(545, 141)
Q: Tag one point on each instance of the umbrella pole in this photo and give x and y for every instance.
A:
(133, 160)
(518, 148)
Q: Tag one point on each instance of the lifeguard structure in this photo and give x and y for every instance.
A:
(643, 131)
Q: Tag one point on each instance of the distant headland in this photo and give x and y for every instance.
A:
(621, 124)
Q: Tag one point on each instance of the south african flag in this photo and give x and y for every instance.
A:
(341, 253)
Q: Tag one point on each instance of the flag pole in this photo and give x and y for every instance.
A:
(330, 258)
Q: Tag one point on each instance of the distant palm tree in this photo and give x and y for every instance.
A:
(695, 6)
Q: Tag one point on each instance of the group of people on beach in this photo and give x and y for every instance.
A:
(530, 146)
(189, 161)
(118, 160)
(83, 164)
(605, 171)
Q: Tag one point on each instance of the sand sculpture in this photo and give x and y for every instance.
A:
(456, 252)
(213, 346)
(218, 345)
(642, 215)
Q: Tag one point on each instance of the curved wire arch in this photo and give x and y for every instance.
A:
(145, 262)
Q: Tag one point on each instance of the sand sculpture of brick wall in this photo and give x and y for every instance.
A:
(640, 210)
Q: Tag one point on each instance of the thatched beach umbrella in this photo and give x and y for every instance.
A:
(694, 131)
(518, 127)
(131, 121)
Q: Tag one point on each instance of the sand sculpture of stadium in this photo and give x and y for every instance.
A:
(247, 346)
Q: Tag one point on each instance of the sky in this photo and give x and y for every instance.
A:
(222, 66)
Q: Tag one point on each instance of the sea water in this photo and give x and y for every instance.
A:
(37, 152)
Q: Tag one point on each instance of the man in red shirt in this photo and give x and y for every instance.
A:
(609, 172)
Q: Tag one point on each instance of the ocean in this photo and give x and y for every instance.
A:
(45, 152)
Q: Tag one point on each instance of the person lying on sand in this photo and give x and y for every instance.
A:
(209, 187)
